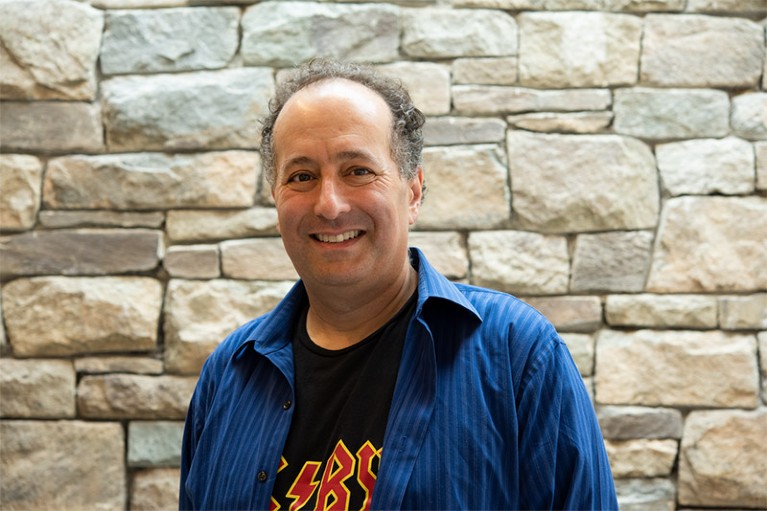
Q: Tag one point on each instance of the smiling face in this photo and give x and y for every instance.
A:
(343, 208)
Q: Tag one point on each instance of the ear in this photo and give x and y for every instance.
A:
(415, 186)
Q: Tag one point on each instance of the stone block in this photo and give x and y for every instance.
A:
(51, 127)
(656, 494)
(762, 342)
(446, 251)
(578, 49)
(641, 457)
(154, 443)
(155, 489)
(100, 218)
(572, 122)
(463, 130)
(749, 115)
(3, 337)
(495, 99)
(761, 165)
(722, 461)
(711, 244)
(443, 33)
(199, 314)
(576, 5)
(701, 51)
(201, 110)
(201, 225)
(706, 167)
(80, 252)
(193, 261)
(118, 364)
(62, 465)
(428, 84)
(167, 40)
(20, 180)
(141, 4)
(743, 312)
(286, 33)
(581, 347)
(660, 114)
(134, 396)
(518, 262)
(460, 177)
(49, 51)
(37, 389)
(577, 183)
(570, 313)
(256, 259)
(628, 422)
(485, 71)
(727, 6)
(152, 181)
(676, 368)
(61, 316)
(661, 311)
(611, 261)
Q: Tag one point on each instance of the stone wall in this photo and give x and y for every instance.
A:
(606, 160)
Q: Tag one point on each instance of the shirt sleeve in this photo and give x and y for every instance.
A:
(195, 420)
(564, 464)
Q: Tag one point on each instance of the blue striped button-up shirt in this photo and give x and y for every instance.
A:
(489, 411)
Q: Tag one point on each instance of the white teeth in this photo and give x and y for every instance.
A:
(337, 238)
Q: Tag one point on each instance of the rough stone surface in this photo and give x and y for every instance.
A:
(701, 51)
(711, 244)
(724, 166)
(445, 33)
(743, 312)
(727, 6)
(90, 315)
(641, 457)
(51, 127)
(446, 251)
(570, 313)
(201, 225)
(37, 388)
(762, 340)
(679, 368)
(761, 165)
(453, 205)
(3, 336)
(131, 396)
(80, 252)
(199, 314)
(656, 494)
(493, 100)
(575, 122)
(660, 114)
(585, 5)
(286, 33)
(427, 83)
(519, 262)
(62, 465)
(20, 181)
(118, 364)
(571, 183)
(463, 130)
(722, 462)
(628, 422)
(165, 40)
(578, 49)
(155, 443)
(749, 115)
(49, 51)
(486, 71)
(661, 311)
(202, 110)
(193, 262)
(70, 219)
(256, 259)
(612, 261)
(155, 489)
(581, 347)
(152, 181)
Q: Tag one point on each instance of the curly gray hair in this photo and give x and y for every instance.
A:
(406, 138)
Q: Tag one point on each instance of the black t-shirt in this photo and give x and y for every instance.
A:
(333, 449)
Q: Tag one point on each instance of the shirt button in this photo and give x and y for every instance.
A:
(286, 405)
(262, 476)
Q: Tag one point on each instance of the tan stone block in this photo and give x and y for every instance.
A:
(53, 316)
(630, 422)
(62, 465)
(101, 218)
(676, 368)
(749, 115)
(463, 130)
(570, 313)
(155, 489)
(256, 259)
(641, 458)
(201, 225)
(199, 314)
(193, 261)
(581, 348)
(743, 312)
(662, 311)
(446, 251)
(485, 71)
(20, 182)
(575, 122)
(3, 337)
(761, 164)
(611, 261)
(727, 6)
(37, 388)
(722, 461)
(132, 396)
(51, 127)
(428, 84)
(118, 364)
(576, 5)
(762, 341)
(494, 100)
(710, 244)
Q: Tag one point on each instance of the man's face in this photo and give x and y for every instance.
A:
(343, 208)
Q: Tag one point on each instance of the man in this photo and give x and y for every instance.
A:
(377, 383)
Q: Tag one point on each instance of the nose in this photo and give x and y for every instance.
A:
(332, 201)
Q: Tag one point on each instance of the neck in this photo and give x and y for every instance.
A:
(339, 318)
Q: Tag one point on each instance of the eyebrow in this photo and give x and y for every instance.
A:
(351, 154)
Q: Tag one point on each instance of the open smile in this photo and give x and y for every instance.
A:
(337, 238)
